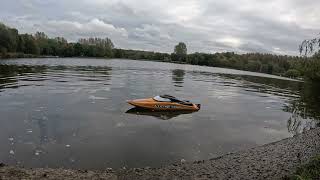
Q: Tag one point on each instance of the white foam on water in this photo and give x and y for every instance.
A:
(97, 98)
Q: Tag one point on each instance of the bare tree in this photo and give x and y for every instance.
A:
(309, 46)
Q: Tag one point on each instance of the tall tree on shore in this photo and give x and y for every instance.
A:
(97, 47)
(43, 43)
(312, 67)
(8, 38)
(31, 46)
(180, 52)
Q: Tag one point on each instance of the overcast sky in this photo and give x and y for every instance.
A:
(269, 26)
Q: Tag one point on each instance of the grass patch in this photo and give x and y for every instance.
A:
(308, 171)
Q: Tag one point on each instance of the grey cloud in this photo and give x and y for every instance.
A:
(94, 27)
(206, 26)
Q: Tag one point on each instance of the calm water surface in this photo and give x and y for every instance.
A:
(73, 113)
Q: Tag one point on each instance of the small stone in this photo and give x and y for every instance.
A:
(11, 152)
(183, 161)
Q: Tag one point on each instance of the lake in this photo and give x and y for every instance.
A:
(72, 112)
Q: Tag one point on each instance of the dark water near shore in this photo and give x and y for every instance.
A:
(72, 112)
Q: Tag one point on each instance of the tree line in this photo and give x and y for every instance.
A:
(290, 66)
(11, 42)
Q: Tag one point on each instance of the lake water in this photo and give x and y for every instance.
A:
(73, 112)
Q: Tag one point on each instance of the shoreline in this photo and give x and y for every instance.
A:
(147, 60)
(21, 56)
(270, 161)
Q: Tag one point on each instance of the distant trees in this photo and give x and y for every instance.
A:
(96, 47)
(11, 41)
(137, 54)
(30, 45)
(40, 44)
(256, 62)
(312, 68)
(290, 66)
(293, 73)
(180, 52)
(8, 38)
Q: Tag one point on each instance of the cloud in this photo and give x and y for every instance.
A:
(230, 41)
(205, 26)
(151, 32)
(73, 29)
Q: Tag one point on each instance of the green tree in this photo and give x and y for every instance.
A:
(180, 52)
(43, 43)
(31, 46)
(118, 53)
(78, 49)
(3, 52)
(312, 68)
(97, 47)
(21, 44)
(293, 73)
(8, 38)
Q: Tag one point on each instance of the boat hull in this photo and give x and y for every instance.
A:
(151, 104)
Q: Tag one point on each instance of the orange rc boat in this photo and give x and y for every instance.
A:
(165, 103)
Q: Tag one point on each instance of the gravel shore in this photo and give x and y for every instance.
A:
(270, 161)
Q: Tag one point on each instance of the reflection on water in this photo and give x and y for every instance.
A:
(304, 109)
(163, 115)
(71, 112)
(304, 103)
(9, 75)
(177, 77)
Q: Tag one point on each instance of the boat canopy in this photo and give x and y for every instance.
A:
(168, 98)
(161, 99)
